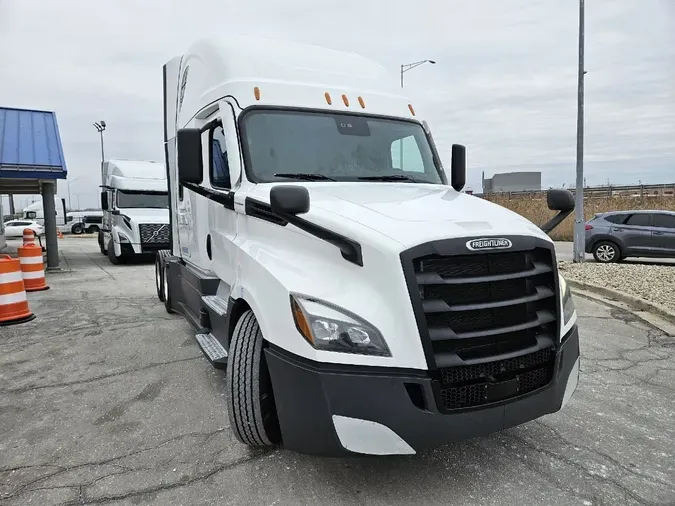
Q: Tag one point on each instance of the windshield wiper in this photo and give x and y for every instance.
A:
(304, 176)
(390, 177)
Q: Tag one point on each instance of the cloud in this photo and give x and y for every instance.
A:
(505, 83)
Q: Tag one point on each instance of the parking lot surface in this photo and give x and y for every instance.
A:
(106, 399)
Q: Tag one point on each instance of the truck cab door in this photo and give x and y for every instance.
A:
(222, 167)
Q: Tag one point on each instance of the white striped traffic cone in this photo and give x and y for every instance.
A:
(32, 268)
(28, 237)
(13, 303)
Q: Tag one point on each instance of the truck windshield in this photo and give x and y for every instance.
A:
(283, 145)
(134, 199)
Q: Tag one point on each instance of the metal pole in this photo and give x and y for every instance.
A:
(400, 153)
(579, 221)
(49, 209)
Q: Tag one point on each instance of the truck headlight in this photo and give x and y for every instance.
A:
(331, 328)
(123, 238)
(567, 302)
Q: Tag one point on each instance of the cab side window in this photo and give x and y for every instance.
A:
(219, 169)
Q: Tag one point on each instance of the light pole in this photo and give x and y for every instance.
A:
(100, 127)
(405, 68)
(579, 222)
(409, 66)
(70, 202)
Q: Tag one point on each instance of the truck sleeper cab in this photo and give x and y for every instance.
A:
(357, 300)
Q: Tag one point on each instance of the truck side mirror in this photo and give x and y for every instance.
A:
(289, 200)
(561, 201)
(104, 200)
(190, 164)
(458, 167)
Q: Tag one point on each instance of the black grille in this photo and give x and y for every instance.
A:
(488, 320)
(486, 304)
(476, 385)
(154, 233)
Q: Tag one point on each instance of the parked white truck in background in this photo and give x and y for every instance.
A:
(359, 302)
(35, 212)
(135, 207)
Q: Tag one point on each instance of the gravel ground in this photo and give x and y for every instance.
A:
(654, 283)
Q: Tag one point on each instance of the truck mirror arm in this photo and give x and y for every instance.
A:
(555, 221)
(558, 200)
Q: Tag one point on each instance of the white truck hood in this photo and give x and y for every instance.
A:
(413, 214)
(146, 215)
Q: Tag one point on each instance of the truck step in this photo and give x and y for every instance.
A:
(216, 304)
(213, 350)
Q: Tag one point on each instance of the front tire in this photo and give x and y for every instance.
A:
(250, 400)
(606, 252)
(77, 229)
(115, 260)
(100, 243)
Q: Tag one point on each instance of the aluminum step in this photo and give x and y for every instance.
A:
(216, 303)
(211, 347)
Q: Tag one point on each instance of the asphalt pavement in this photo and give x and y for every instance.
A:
(106, 399)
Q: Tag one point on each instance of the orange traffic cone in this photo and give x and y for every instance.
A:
(32, 268)
(13, 303)
(59, 234)
(28, 237)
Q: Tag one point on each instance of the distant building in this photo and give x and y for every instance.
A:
(512, 182)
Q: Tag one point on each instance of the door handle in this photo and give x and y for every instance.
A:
(619, 230)
(658, 233)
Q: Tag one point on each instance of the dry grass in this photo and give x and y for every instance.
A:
(534, 209)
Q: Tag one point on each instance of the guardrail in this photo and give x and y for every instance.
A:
(637, 191)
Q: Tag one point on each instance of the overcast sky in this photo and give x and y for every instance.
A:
(504, 83)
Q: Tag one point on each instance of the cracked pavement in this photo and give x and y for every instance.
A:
(106, 399)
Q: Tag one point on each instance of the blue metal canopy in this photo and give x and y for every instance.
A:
(30, 145)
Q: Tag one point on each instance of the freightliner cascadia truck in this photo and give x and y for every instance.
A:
(358, 301)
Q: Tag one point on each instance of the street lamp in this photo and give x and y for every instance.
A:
(100, 127)
(409, 66)
(579, 222)
(405, 68)
(68, 181)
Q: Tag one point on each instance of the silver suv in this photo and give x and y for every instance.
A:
(613, 236)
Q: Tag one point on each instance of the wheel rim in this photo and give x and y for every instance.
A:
(158, 277)
(606, 253)
(166, 286)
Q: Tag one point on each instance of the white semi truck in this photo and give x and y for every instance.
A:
(135, 204)
(35, 212)
(358, 301)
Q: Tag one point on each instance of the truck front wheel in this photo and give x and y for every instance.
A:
(100, 243)
(250, 400)
(115, 260)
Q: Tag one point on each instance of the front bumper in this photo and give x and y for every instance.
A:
(333, 410)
